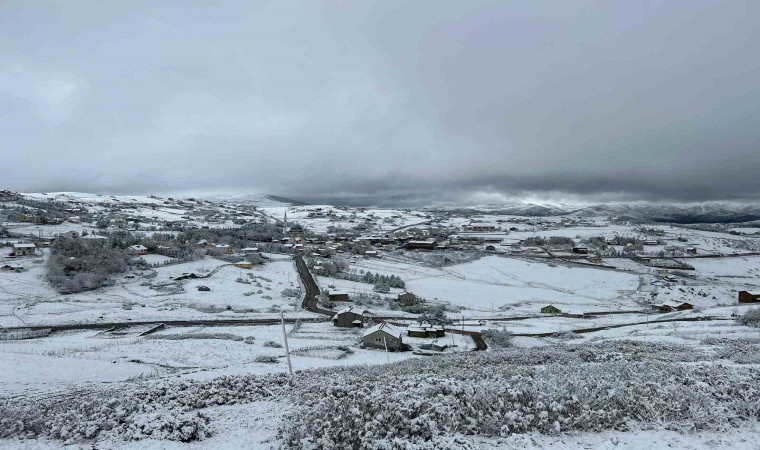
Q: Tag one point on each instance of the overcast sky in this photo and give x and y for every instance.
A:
(383, 102)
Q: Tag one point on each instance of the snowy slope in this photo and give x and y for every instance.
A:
(260, 200)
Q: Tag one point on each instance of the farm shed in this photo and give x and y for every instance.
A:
(551, 309)
(349, 318)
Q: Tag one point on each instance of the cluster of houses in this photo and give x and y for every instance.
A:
(671, 307)
(404, 299)
(663, 307)
(385, 335)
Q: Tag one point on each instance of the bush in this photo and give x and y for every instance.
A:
(160, 411)
(272, 344)
(382, 287)
(498, 338)
(266, 359)
(178, 337)
(291, 292)
(750, 318)
(489, 395)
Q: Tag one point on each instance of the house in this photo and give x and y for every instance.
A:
(426, 330)
(338, 296)
(551, 309)
(670, 307)
(137, 250)
(223, 248)
(650, 242)
(23, 249)
(596, 259)
(407, 299)
(746, 297)
(581, 250)
(481, 228)
(612, 242)
(691, 251)
(428, 244)
(244, 264)
(349, 318)
(383, 335)
(250, 250)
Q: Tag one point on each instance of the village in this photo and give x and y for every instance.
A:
(106, 289)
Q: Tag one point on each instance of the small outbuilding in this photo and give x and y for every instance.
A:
(349, 318)
(670, 307)
(436, 345)
(746, 297)
(338, 296)
(383, 335)
(425, 331)
(428, 244)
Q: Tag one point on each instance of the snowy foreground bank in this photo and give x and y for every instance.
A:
(524, 398)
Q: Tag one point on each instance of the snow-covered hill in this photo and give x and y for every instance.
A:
(260, 200)
(708, 212)
(711, 212)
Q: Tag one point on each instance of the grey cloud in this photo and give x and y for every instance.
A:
(383, 102)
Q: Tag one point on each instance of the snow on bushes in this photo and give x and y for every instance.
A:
(492, 394)
(182, 337)
(750, 318)
(266, 359)
(425, 403)
(146, 410)
(498, 338)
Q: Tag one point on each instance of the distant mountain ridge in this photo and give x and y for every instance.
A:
(708, 212)
(265, 200)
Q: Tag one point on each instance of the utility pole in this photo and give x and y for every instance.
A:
(287, 350)
(387, 355)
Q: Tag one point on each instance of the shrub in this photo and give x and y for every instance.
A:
(750, 318)
(291, 292)
(488, 395)
(272, 344)
(266, 359)
(178, 337)
(498, 338)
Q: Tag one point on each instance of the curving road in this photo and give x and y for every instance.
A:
(312, 288)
